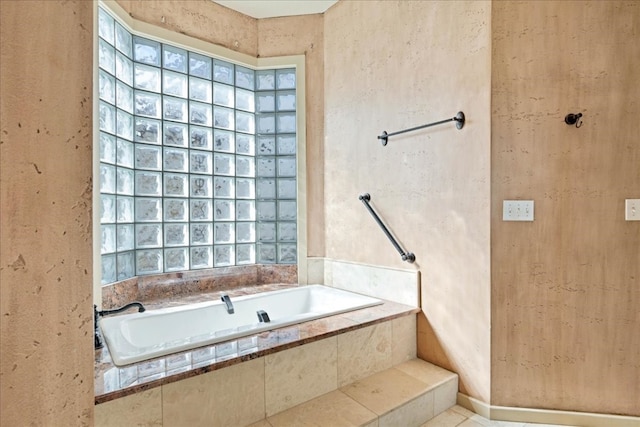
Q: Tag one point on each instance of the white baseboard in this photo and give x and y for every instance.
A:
(545, 416)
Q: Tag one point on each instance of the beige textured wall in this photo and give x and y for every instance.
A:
(46, 368)
(566, 287)
(391, 65)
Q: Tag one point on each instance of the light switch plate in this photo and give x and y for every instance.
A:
(632, 209)
(517, 210)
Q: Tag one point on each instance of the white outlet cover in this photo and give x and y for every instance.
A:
(632, 210)
(517, 210)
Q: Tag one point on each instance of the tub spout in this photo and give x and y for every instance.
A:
(225, 298)
(263, 316)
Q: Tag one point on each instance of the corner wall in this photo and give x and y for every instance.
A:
(46, 316)
(392, 65)
(566, 287)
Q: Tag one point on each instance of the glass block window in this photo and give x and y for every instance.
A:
(197, 158)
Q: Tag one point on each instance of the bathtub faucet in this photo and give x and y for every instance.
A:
(225, 298)
(97, 339)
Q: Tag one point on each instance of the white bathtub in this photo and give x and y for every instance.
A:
(141, 336)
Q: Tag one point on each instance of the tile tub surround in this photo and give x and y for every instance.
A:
(112, 382)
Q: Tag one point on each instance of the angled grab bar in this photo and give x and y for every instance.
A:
(406, 256)
(459, 119)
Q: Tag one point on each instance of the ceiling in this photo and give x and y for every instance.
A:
(273, 8)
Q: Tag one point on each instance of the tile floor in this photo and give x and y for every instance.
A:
(457, 416)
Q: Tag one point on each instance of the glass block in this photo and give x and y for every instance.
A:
(176, 259)
(124, 69)
(176, 185)
(201, 233)
(266, 254)
(223, 187)
(222, 71)
(199, 66)
(148, 235)
(125, 237)
(245, 232)
(105, 26)
(201, 210)
(200, 162)
(124, 181)
(266, 211)
(286, 122)
(245, 122)
(149, 261)
(287, 232)
(201, 257)
(175, 134)
(107, 209)
(107, 87)
(148, 130)
(245, 188)
(199, 114)
(266, 166)
(124, 209)
(126, 265)
(107, 117)
(266, 146)
(245, 254)
(174, 58)
(107, 148)
(200, 186)
(287, 166)
(147, 51)
(224, 232)
(287, 189)
(245, 144)
(201, 138)
(176, 160)
(108, 240)
(266, 123)
(223, 118)
(106, 57)
(176, 235)
(108, 269)
(174, 84)
(124, 42)
(124, 125)
(124, 97)
(286, 101)
(265, 80)
(148, 210)
(287, 210)
(245, 78)
(148, 183)
(287, 254)
(224, 164)
(266, 232)
(245, 166)
(174, 109)
(223, 95)
(147, 104)
(148, 157)
(245, 100)
(124, 153)
(147, 78)
(223, 256)
(266, 189)
(286, 79)
(176, 210)
(107, 178)
(266, 102)
(245, 210)
(224, 210)
(223, 141)
(199, 89)
(286, 144)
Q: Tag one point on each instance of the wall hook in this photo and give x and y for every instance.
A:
(573, 119)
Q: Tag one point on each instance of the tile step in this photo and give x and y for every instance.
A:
(409, 394)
